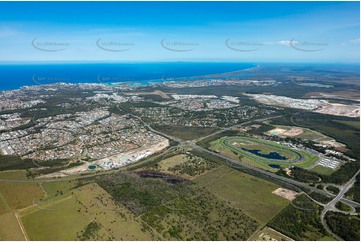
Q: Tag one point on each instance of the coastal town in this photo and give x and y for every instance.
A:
(95, 135)
(109, 140)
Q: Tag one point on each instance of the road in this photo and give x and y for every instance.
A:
(331, 205)
(238, 163)
(327, 207)
(232, 162)
(26, 237)
(193, 145)
(72, 178)
(238, 125)
(235, 162)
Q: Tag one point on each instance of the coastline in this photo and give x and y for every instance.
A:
(74, 74)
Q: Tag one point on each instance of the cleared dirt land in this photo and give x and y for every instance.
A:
(285, 193)
(304, 133)
(269, 234)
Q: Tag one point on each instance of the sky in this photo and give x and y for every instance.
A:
(180, 31)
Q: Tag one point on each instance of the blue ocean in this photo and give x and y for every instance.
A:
(14, 76)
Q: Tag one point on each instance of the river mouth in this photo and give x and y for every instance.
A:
(272, 155)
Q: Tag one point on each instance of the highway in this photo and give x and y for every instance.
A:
(270, 174)
(238, 125)
(327, 207)
(331, 205)
(238, 163)
(233, 163)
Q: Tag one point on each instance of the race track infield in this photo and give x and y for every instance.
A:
(263, 153)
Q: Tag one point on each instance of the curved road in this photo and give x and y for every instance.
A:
(225, 142)
(331, 205)
(229, 161)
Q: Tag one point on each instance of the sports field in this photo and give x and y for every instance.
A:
(262, 153)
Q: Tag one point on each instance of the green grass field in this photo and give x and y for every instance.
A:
(186, 132)
(354, 124)
(20, 195)
(4, 207)
(252, 195)
(13, 175)
(322, 170)
(242, 147)
(10, 228)
(66, 217)
(53, 189)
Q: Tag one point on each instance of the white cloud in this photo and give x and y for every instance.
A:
(352, 42)
(355, 41)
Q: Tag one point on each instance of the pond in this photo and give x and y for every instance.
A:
(274, 166)
(271, 155)
(92, 167)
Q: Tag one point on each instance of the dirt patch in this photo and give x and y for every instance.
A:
(293, 131)
(339, 95)
(334, 143)
(339, 109)
(285, 193)
(277, 131)
(156, 92)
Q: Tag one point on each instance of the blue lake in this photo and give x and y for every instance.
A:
(271, 155)
(274, 166)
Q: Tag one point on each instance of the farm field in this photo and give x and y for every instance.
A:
(3, 205)
(85, 213)
(20, 195)
(186, 132)
(238, 190)
(54, 189)
(266, 154)
(13, 175)
(10, 228)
